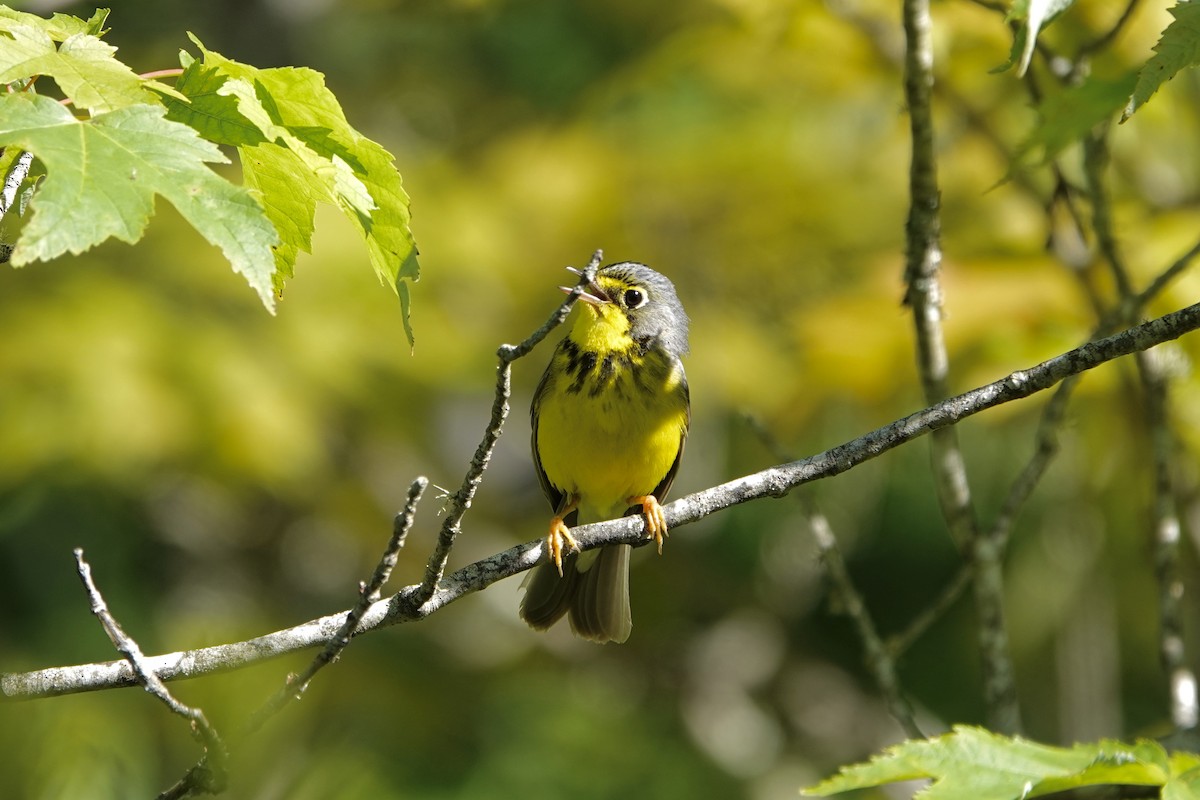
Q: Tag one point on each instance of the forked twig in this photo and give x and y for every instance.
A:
(194, 780)
(213, 778)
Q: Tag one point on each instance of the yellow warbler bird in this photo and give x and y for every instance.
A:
(610, 418)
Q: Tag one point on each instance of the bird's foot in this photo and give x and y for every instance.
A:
(656, 520)
(559, 541)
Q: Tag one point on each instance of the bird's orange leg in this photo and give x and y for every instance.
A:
(560, 539)
(656, 520)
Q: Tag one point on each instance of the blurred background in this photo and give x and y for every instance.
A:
(230, 473)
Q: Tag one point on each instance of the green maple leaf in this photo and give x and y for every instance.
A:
(60, 26)
(213, 113)
(297, 149)
(103, 175)
(972, 762)
(83, 66)
(1177, 48)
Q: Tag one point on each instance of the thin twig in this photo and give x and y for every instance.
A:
(924, 296)
(368, 595)
(461, 500)
(899, 644)
(878, 658)
(1045, 448)
(1182, 700)
(214, 777)
(1095, 161)
(1106, 38)
(1139, 301)
(192, 781)
(773, 482)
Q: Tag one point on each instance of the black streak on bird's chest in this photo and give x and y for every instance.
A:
(593, 373)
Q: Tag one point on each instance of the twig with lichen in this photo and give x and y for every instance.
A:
(775, 481)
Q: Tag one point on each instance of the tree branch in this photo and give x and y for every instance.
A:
(461, 501)
(213, 778)
(195, 780)
(368, 595)
(924, 296)
(880, 660)
(1046, 446)
(1182, 700)
(17, 174)
(1181, 679)
(773, 482)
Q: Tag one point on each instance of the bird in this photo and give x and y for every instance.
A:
(609, 421)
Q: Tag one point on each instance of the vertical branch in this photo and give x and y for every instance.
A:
(460, 502)
(13, 180)
(924, 295)
(1181, 679)
(923, 292)
(17, 174)
(1183, 702)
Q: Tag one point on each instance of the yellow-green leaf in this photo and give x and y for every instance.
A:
(103, 176)
(83, 66)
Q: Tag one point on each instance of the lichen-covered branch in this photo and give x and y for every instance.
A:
(214, 776)
(773, 482)
(1165, 525)
(196, 780)
(924, 296)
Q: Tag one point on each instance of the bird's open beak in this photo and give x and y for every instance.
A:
(593, 294)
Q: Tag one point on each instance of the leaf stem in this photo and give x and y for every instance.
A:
(161, 73)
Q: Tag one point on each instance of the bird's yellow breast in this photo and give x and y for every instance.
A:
(611, 421)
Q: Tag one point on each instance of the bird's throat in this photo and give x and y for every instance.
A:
(601, 329)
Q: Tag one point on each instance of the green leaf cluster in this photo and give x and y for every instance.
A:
(116, 140)
(1177, 49)
(973, 762)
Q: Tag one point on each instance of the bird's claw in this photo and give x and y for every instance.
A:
(559, 541)
(656, 518)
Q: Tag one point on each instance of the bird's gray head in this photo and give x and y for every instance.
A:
(648, 300)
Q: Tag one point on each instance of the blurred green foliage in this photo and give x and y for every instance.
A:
(229, 473)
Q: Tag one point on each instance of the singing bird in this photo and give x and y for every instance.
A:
(610, 418)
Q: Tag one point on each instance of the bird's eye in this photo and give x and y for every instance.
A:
(634, 298)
